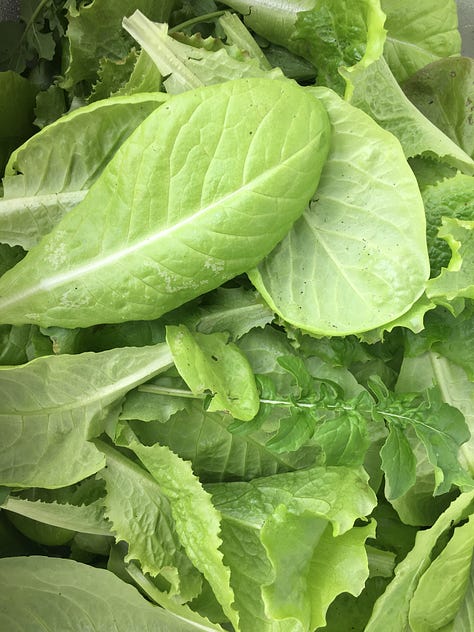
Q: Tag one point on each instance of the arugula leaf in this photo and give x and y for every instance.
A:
(205, 216)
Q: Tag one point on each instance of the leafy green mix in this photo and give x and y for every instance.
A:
(236, 317)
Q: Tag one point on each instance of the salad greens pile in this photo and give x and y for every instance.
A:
(236, 316)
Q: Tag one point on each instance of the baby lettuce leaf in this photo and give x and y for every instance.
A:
(374, 90)
(172, 217)
(358, 255)
(444, 93)
(64, 594)
(17, 100)
(151, 535)
(197, 521)
(451, 197)
(432, 609)
(282, 520)
(392, 609)
(419, 33)
(83, 518)
(208, 362)
(52, 172)
(51, 406)
(457, 280)
(216, 453)
(328, 33)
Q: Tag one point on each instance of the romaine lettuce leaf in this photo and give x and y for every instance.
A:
(162, 231)
(358, 255)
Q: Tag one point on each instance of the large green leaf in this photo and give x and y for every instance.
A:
(60, 594)
(51, 406)
(172, 217)
(52, 172)
(419, 33)
(358, 255)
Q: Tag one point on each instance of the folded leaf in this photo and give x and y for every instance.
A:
(208, 362)
(46, 177)
(51, 406)
(367, 240)
(172, 217)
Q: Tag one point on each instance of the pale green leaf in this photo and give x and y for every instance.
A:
(444, 93)
(208, 362)
(431, 608)
(457, 280)
(339, 565)
(185, 66)
(374, 90)
(391, 610)
(60, 594)
(419, 33)
(51, 406)
(83, 518)
(46, 177)
(181, 225)
(140, 515)
(369, 240)
(197, 522)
